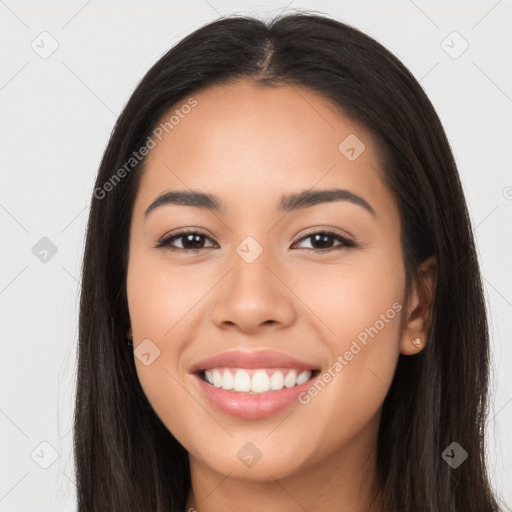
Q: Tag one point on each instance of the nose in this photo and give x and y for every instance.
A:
(254, 296)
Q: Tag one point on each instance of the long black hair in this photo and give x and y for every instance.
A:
(125, 457)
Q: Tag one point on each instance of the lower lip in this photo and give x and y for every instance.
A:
(251, 407)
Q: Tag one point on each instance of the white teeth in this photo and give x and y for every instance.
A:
(228, 381)
(303, 377)
(242, 381)
(277, 381)
(217, 378)
(291, 379)
(262, 380)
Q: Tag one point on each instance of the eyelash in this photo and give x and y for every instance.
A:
(166, 242)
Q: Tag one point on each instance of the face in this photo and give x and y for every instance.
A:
(319, 283)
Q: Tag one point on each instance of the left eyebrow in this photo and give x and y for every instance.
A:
(308, 198)
(287, 203)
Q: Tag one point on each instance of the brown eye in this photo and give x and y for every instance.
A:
(322, 241)
(192, 241)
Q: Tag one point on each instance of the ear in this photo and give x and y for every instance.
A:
(418, 314)
(129, 333)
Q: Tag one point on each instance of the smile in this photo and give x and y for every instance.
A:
(243, 402)
(256, 381)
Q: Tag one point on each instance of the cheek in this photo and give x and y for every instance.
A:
(346, 300)
(164, 307)
(161, 297)
(357, 307)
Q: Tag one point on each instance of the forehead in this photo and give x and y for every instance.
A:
(245, 143)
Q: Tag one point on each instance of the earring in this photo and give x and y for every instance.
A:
(416, 342)
(129, 336)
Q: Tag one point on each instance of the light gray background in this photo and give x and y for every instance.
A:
(57, 114)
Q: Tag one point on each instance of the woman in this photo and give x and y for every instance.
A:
(225, 365)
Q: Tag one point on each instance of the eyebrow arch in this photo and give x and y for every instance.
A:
(308, 198)
(291, 202)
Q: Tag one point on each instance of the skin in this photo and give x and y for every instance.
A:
(248, 145)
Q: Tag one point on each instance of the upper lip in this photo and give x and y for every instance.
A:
(258, 359)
